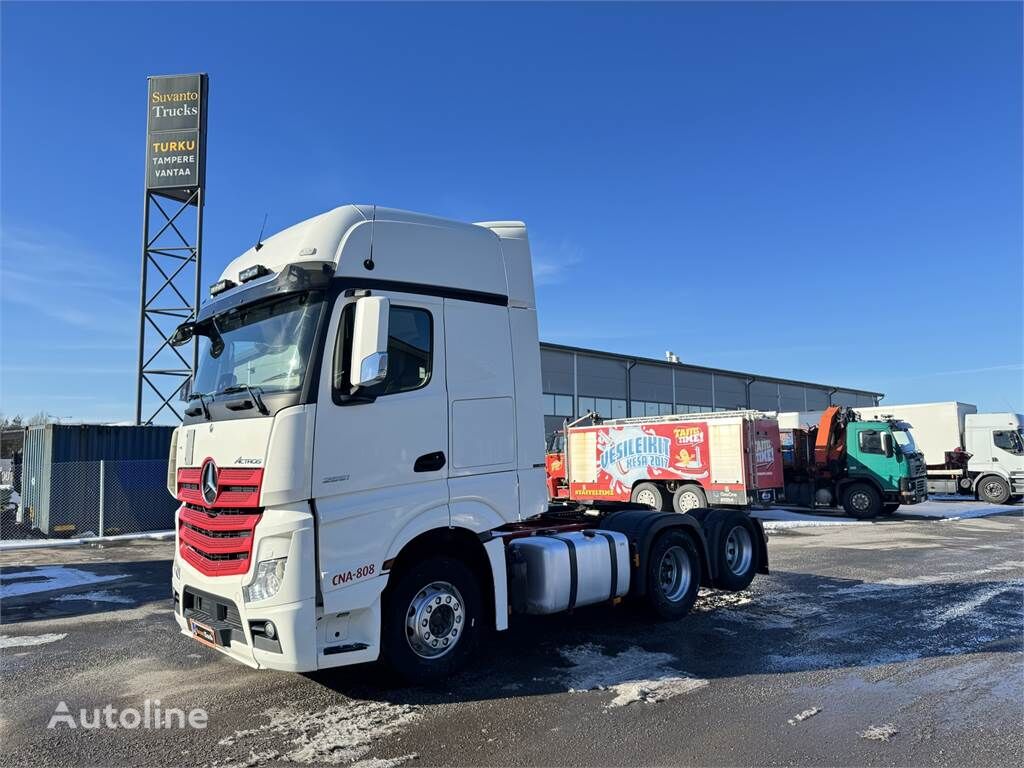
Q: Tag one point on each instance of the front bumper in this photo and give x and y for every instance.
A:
(236, 627)
(295, 631)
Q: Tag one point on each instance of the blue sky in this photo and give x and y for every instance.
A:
(830, 192)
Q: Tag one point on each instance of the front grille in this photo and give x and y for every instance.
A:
(217, 542)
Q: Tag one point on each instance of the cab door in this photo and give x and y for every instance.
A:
(379, 454)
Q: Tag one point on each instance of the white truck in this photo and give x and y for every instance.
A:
(361, 465)
(980, 454)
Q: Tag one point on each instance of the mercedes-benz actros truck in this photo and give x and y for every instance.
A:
(361, 463)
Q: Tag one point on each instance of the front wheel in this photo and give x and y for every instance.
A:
(888, 509)
(862, 501)
(431, 620)
(994, 490)
(673, 576)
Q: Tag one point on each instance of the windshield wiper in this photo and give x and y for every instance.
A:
(203, 409)
(254, 392)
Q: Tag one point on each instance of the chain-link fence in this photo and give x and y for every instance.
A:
(90, 498)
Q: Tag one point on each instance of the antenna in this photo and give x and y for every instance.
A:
(259, 240)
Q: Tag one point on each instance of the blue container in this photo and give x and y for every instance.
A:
(80, 478)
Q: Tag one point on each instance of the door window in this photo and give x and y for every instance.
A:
(1009, 441)
(870, 441)
(410, 351)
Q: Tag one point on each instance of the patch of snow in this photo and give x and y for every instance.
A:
(98, 596)
(799, 717)
(339, 734)
(49, 578)
(879, 732)
(11, 544)
(386, 762)
(28, 640)
(634, 675)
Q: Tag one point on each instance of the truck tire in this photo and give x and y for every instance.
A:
(649, 495)
(862, 501)
(993, 489)
(431, 621)
(888, 509)
(673, 576)
(688, 497)
(735, 550)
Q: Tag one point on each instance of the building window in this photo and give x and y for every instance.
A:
(618, 409)
(557, 405)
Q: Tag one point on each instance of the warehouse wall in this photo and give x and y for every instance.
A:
(578, 381)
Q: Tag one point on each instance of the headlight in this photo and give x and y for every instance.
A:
(267, 581)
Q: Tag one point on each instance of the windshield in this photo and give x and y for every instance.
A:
(905, 441)
(264, 345)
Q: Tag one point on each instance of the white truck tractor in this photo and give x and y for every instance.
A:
(978, 454)
(361, 465)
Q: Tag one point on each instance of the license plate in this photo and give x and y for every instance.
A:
(203, 633)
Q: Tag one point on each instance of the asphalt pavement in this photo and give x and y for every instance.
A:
(898, 642)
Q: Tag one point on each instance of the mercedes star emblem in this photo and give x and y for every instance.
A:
(209, 485)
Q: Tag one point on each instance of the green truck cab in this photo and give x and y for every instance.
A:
(871, 468)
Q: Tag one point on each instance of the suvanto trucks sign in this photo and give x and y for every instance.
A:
(176, 134)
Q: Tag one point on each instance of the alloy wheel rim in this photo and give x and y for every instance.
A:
(435, 620)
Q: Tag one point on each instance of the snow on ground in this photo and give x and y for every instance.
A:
(339, 734)
(634, 675)
(781, 518)
(97, 596)
(41, 543)
(799, 717)
(28, 640)
(49, 578)
(879, 732)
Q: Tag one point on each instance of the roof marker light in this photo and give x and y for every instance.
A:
(251, 273)
(220, 286)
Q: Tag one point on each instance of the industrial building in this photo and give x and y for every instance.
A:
(576, 380)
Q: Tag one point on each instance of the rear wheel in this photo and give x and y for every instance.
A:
(431, 620)
(888, 509)
(994, 490)
(673, 575)
(738, 556)
(649, 495)
(688, 497)
(861, 501)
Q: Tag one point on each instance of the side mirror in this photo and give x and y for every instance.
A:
(369, 362)
(182, 334)
(887, 443)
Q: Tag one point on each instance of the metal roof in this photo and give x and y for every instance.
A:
(706, 369)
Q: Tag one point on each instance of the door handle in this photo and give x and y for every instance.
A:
(429, 462)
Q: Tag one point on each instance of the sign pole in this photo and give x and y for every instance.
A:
(173, 207)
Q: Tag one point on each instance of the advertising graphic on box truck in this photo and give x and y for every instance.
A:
(671, 462)
(361, 467)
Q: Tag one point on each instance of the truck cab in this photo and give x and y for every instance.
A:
(995, 442)
(367, 379)
(883, 455)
